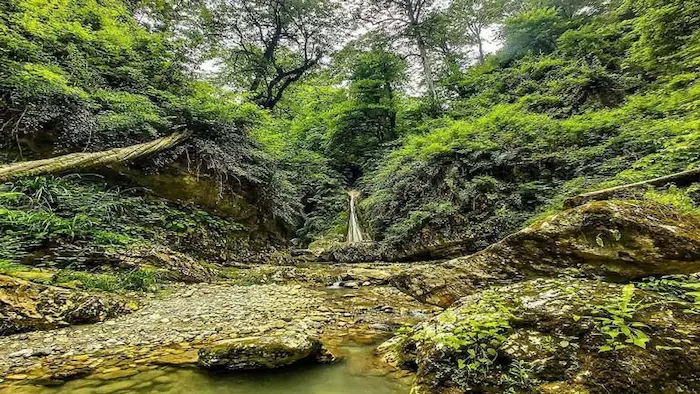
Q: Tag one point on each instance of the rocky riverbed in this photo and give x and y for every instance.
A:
(171, 327)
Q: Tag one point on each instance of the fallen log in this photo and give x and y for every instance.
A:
(84, 160)
(685, 177)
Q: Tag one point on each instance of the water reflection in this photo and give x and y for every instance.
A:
(355, 375)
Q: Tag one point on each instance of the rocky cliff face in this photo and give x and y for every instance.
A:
(616, 240)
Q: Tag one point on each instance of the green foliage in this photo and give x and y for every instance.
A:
(680, 199)
(533, 32)
(584, 94)
(475, 333)
(560, 110)
(42, 218)
(139, 279)
(669, 38)
(616, 322)
(683, 287)
(362, 124)
(87, 75)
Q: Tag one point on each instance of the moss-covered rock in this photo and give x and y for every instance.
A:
(27, 306)
(266, 352)
(552, 336)
(172, 265)
(619, 240)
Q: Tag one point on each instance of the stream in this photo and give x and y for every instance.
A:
(355, 374)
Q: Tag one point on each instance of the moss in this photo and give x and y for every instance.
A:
(139, 279)
(261, 352)
(548, 345)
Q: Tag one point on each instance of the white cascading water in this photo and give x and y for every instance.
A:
(354, 232)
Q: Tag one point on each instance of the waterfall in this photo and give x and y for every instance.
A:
(354, 232)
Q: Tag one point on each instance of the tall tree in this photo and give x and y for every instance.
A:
(403, 18)
(472, 17)
(265, 46)
(368, 119)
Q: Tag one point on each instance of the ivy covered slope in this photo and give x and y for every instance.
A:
(606, 96)
(87, 76)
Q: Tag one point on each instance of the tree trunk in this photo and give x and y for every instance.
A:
(685, 176)
(422, 50)
(481, 51)
(427, 67)
(84, 160)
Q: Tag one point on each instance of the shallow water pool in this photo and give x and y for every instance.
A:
(354, 375)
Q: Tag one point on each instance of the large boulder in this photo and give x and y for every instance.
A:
(172, 265)
(617, 240)
(27, 306)
(266, 352)
(555, 336)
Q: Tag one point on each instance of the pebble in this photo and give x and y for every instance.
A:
(21, 353)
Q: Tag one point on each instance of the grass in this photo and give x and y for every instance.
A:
(138, 279)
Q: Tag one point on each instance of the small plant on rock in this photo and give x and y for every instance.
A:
(474, 332)
(616, 321)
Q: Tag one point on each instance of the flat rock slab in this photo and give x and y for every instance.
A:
(266, 352)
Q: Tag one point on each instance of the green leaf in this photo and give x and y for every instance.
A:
(616, 234)
(599, 241)
(604, 348)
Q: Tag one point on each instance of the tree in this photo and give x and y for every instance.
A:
(566, 8)
(87, 160)
(368, 119)
(267, 45)
(533, 32)
(447, 42)
(403, 19)
(472, 17)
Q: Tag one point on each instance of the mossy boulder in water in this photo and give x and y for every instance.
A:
(555, 336)
(266, 352)
(619, 240)
(27, 306)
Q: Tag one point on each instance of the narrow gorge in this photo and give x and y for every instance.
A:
(345, 197)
